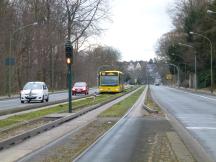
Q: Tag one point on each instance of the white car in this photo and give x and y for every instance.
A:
(34, 91)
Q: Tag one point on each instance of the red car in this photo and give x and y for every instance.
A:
(81, 88)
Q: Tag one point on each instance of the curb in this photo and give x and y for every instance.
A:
(149, 109)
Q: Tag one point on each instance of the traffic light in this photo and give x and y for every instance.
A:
(69, 52)
(69, 61)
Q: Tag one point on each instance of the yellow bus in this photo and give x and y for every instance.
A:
(110, 81)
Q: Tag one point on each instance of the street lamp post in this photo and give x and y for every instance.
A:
(195, 62)
(178, 82)
(10, 54)
(173, 54)
(211, 71)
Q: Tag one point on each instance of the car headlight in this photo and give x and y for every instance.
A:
(22, 93)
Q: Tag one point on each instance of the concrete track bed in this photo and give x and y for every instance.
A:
(70, 147)
(22, 128)
(30, 128)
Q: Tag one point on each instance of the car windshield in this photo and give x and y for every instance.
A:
(33, 86)
(109, 80)
(80, 84)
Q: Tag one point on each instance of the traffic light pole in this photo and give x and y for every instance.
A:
(69, 57)
(69, 77)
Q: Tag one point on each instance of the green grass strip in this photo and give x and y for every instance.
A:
(57, 109)
(122, 107)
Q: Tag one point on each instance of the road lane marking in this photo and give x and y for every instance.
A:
(202, 128)
(193, 94)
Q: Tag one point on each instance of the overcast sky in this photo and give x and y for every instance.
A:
(136, 27)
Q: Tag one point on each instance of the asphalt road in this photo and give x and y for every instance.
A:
(9, 104)
(196, 112)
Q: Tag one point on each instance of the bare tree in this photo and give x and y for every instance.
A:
(39, 50)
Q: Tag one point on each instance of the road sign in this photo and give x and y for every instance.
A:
(169, 77)
(10, 61)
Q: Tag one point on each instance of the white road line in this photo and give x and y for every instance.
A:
(202, 128)
(193, 94)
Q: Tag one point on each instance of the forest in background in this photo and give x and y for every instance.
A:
(33, 34)
(191, 16)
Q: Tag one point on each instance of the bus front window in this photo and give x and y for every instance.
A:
(109, 80)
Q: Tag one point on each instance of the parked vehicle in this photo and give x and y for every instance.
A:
(80, 88)
(34, 91)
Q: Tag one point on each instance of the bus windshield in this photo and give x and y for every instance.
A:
(109, 80)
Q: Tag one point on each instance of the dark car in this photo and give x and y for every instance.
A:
(80, 88)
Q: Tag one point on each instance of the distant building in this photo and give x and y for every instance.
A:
(138, 66)
(131, 66)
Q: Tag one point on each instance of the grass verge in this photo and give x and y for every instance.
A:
(77, 105)
(122, 107)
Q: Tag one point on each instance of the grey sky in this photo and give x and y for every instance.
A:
(136, 27)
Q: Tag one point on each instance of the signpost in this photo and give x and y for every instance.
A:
(169, 77)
